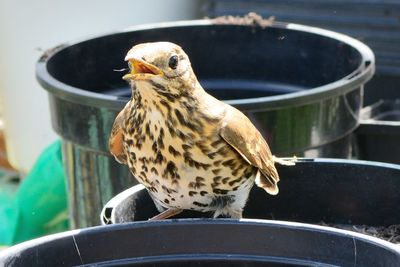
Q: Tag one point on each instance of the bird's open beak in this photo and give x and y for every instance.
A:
(141, 70)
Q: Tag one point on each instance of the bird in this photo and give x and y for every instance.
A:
(190, 150)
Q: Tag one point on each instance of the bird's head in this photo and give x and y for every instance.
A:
(161, 63)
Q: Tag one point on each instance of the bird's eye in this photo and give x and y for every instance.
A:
(173, 62)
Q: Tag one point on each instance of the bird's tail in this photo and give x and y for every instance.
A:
(268, 178)
(268, 181)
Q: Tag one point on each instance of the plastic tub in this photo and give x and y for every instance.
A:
(301, 86)
(378, 136)
(319, 191)
(204, 243)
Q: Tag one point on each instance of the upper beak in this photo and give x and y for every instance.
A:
(140, 69)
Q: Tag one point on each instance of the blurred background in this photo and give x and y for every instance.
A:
(374, 22)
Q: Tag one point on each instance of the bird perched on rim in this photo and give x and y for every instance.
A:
(190, 150)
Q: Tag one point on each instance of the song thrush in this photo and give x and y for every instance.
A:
(190, 150)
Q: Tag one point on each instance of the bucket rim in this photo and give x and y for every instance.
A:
(353, 80)
(272, 224)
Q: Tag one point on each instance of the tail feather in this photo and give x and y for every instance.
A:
(268, 183)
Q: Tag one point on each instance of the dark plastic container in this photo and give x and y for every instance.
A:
(378, 136)
(301, 86)
(329, 191)
(204, 243)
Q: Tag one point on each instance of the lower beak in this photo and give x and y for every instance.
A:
(141, 70)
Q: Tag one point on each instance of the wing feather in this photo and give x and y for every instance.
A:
(238, 131)
(115, 142)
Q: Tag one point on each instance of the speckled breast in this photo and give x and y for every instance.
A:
(184, 164)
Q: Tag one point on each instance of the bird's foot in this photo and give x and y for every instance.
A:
(166, 214)
(228, 212)
(285, 161)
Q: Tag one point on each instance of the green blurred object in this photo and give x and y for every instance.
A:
(9, 182)
(39, 205)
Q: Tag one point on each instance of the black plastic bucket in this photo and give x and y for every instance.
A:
(378, 136)
(301, 86)
(205, 243)
(319, 191)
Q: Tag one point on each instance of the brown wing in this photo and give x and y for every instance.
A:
(238, 131)
(115, 142)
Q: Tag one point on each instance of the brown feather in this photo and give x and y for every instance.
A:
(238, 131)
(115, 142)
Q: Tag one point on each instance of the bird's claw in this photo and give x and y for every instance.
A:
(166, 214)
(285, 161)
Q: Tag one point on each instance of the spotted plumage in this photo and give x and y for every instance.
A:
(190, 150)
